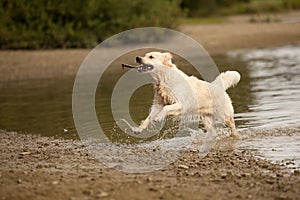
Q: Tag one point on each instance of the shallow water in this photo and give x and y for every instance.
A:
(282, 149)
(275, 103)
(274, 86)
(267, 97)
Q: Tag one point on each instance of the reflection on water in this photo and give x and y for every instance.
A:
(268, 96)
(275, 98)
(276, 147)
(275, 87)
(37, 106)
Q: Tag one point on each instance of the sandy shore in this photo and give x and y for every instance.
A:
(238, 33)
(34, 167)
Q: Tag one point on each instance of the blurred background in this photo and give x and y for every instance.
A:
(43, 43)
(83, 24)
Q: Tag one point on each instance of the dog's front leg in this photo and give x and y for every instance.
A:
(155, 109)
(174, 109)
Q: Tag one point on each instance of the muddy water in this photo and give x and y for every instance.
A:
(268, 97)
(274, 85)
(282, 149)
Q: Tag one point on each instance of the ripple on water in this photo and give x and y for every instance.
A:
(275, 86)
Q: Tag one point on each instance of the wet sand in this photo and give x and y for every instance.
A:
(35, 167)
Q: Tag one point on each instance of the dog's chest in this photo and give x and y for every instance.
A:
(164, 95)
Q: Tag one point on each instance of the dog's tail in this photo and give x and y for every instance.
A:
(227, 79)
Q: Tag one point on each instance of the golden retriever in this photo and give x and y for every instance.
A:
(176, 92)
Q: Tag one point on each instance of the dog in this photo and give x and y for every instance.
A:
(211, 102)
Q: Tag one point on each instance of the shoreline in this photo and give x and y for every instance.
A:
(39, 63)
(238, 33)
(35, 167)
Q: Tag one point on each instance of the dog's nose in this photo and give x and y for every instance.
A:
(138, 59)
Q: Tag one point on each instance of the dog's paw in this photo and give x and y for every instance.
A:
(160, 117)
(137, 130)
(235, 135)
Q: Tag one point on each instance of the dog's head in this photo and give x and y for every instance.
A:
(155, 61)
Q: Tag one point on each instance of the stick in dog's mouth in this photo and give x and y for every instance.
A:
(141, 68)
(128, 66)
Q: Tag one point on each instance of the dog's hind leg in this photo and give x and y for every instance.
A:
(211, 134)
(229, 121)
(209, 123)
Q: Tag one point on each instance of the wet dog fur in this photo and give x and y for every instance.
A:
(212, 101)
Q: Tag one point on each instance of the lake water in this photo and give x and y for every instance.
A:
(267, 98)
(274, 86)
(275, 103)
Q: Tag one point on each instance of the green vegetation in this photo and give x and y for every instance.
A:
(74, 23)
(80, 24)
(204, 8)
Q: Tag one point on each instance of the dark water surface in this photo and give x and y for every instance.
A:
(267, 97)
(274, 86)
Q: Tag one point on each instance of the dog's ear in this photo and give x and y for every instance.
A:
(168, 59)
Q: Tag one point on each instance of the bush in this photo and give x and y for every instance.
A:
(292, 4)
(78, 24)
(204, 8)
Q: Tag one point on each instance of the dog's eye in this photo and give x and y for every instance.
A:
(151, 57)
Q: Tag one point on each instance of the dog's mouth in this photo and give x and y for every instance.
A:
(143, 68)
